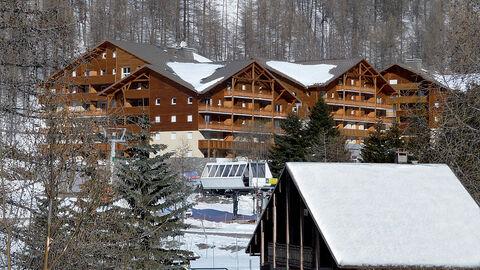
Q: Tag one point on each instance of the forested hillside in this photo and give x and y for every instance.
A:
(381, 31)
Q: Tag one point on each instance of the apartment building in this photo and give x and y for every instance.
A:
(203, 105)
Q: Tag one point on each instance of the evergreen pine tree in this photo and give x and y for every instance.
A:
(291, 146)
(380, 146)
(324, 139)
(155, 203)
(321, 122)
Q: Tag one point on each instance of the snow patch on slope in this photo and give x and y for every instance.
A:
(461, 82)
(195, 73)
(305, 74)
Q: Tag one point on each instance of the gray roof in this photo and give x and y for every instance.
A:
(422, 74)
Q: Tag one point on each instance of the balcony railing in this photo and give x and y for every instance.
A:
(238, 127)
(359, 103)
(248, 93)
(362, 118)
(347, 88)
(354, 132)
(241, 110)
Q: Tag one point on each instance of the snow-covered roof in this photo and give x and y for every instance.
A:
(195, 73)
(391, 214)
(201, 59)
(307, 75)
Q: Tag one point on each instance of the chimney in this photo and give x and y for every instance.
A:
(414, 63)
(182, 52)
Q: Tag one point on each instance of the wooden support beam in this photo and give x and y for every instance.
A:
(317, 249)
(262, 244)
(274, 231)
(301, 235)
(287, 231)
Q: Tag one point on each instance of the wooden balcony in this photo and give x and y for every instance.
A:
(354, 88)
(79, 97)
(105, 79)
(248, 94)
(406, 86)
(359, 103)
(407, 99)
(354, 132)
(362, 118)
(130, 110)
(240, 110)
(144, 93)
(226, 127)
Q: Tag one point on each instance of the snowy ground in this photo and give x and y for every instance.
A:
(220, 244)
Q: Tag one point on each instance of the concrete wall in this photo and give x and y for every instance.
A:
(179, 141)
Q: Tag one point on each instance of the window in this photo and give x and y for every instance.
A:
(157, 101)
(393, 81)
(207, 119)
(352, 82)
(190, 100)
(157, 119)
(353, 97)
(190, 135)
(243, 122)
(174, 118)
(437, 105)
(114, 71)
(294, 109)
(139, 86)
(278, 107)
(190, 153)
(333, 95)
(104, 55)
(295, 93)
(308, 93)
(54, 90)
(352, 112)
(244, 87)
(103, 72)
(437, 119)
(219, 102)
(85, 73)
(157, 136)
(74, 73)
(243, 104)
(189, 118)
(174, 101)
(125, 71)
(379, 100)
(114, 54)
(173, 136)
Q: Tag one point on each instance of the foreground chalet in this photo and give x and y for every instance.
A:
(209, 105)
(365, 216)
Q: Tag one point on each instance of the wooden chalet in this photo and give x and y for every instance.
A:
(416, 90)
(190, 99)
(355, 92)
(368, 216)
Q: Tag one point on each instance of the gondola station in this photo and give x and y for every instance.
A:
(365, 216)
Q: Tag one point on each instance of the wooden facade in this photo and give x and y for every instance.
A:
(286, 236)
(120, 82)
(415, 92)
(357, 99)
